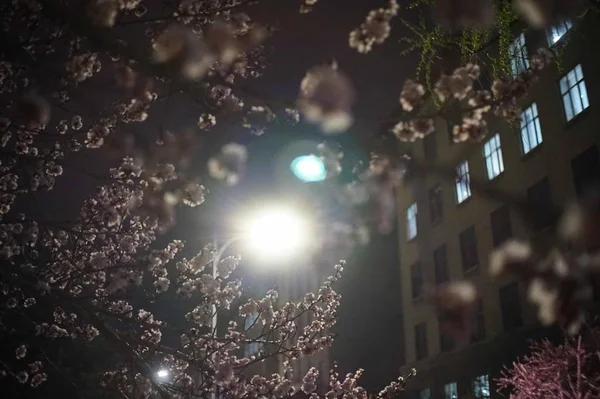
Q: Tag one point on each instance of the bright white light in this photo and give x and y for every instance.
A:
(277, 232)
(162, 373)
(309, 168)
(556, 37)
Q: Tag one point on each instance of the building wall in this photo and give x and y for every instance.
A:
(562, 141)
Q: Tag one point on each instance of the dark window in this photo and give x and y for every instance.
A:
(586, 169)
(540, 196)
(510, 306)
(468, 249)
(440, 260)
(416, 274)
(436, 205)
(446, 342)
(501, 227)
(421, 340)
(430, 147)
(478, 323)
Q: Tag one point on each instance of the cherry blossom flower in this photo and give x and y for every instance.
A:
(229, 164)
(326, 97)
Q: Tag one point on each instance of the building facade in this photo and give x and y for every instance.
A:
(447, 230)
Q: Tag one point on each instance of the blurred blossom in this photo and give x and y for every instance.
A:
(414, 129)
(375, 30)
(412, 95)
(33, 111)
(580, 223)
(229, 164)
(543, 13)
(104, 12)
(455, 305)
(180, 45)
(326, 97)
(206, 121)
(331, 157)
(465, 13)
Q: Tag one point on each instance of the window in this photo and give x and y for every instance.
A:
(425, 393)
(481, 387)
(430, 147)
(540, 195)
(501, 227)
(574, 92)
(463, 188)
(421, 340)
(519, 60)
(446, 342)
(416, 273)
(478, 323)
(556, 32)
(531, 132)
(451, 391)
(510, 306)
(492, 153)
(436, 205)
(411, 221)
(468, 249)
(586, 169)
(252, 348)
(440, 260)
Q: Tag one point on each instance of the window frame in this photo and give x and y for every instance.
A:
(437, 266)
(566, 89)
(519, 56)
(421, 345)
(462, 184)
(412, 227)
(492, 151)
(436, 204)
(416, 280)
(469, 251)
(451, 390)
(477, 384)
(478, 333)
(565, 24)
(511, 306)
(526, 126)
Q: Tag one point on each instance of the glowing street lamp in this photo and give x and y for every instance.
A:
(162, 374)
(309, 168)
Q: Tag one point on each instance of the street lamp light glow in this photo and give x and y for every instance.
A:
(278, 231)
(309, 168)
(162, 373)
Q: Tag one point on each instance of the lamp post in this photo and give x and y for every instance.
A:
(276, 231)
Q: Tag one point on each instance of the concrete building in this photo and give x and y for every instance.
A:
(447, 230)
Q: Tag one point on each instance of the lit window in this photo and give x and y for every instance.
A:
(481, 387)
(556, 32)
(531, 132)
(425, 393)
(518, 55)
(492, 153)
(574, 92)
(411, 221)
(251, 348)
(451, 391)
(463, 188)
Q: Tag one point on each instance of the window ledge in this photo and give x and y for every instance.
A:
(577, 118)
(465, 202)
(535, 150)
